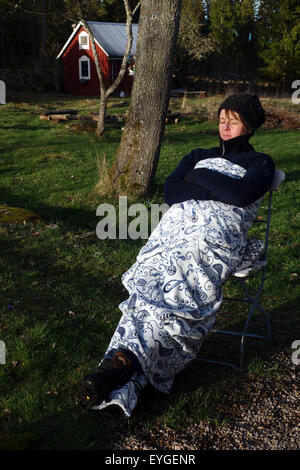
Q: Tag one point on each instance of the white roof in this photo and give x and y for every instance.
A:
(111, 37)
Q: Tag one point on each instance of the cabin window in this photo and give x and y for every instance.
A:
(83, 40)
(84, 68)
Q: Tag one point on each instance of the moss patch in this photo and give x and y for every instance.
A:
(17, 215)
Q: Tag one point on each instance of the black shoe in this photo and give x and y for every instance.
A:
(111, 373)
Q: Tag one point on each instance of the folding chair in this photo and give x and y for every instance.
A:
(245, 269)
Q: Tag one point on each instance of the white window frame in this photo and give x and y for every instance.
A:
(85, 35)
(84, 58)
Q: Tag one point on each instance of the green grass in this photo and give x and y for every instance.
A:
(60, 285)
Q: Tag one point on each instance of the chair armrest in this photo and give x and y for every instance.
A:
(278, 178)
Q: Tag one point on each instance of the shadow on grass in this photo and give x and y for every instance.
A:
(292, 175)
(196, 395)
(64, 425)
(284, 330)
(72, 217)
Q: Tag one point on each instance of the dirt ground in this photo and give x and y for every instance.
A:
(263, 414)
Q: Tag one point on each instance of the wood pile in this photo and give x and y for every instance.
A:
(72, 115)
(63, 115)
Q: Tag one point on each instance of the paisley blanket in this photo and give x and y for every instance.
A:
(175, 287)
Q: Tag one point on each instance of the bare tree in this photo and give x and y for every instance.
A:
(106, 92)
(136, 161)
(81, 9)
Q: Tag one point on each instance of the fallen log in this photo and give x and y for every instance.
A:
(63, 111)
(65, 117)
(61, 117)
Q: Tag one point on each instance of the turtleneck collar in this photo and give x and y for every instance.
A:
(236, 145)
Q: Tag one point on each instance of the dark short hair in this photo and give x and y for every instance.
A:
(248, 106)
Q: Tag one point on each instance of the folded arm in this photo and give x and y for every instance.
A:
(203, 184)
(177, 189)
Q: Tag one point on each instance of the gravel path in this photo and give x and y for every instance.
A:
(262, 413)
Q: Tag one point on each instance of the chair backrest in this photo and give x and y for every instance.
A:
(278, 178)
(261, 263)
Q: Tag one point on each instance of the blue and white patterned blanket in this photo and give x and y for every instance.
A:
(175, 287)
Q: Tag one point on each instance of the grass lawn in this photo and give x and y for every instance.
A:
(60, 284)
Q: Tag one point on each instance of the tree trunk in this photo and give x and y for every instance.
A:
(136, 162)
(102, 114)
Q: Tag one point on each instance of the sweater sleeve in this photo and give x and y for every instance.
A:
(177, 189)
(237, 191)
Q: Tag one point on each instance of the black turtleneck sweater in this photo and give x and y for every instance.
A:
(203, 184)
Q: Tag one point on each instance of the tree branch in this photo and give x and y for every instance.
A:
(95, 55)
(122, 70)
(135, 9)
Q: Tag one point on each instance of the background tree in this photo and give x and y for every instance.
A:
(278, 26)
(233, 27)
(42, 20)
(136, 161)
(256, 38)
(194, 39)
(113, 10)
(6, 12)
(245, 41)
(222, 19)
(90, 9)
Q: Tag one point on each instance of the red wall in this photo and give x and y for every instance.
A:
(72, 83)
(126, 83)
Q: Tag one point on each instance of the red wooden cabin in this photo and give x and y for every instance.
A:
(80, 74)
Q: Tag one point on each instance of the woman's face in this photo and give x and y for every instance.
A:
(231, 125)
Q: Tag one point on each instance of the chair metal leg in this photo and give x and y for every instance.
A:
(244, 334)
(255, 304)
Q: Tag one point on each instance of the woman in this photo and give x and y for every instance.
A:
(175, 284)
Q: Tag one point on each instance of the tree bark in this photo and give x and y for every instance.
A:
(136, 161)
(102, 114)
